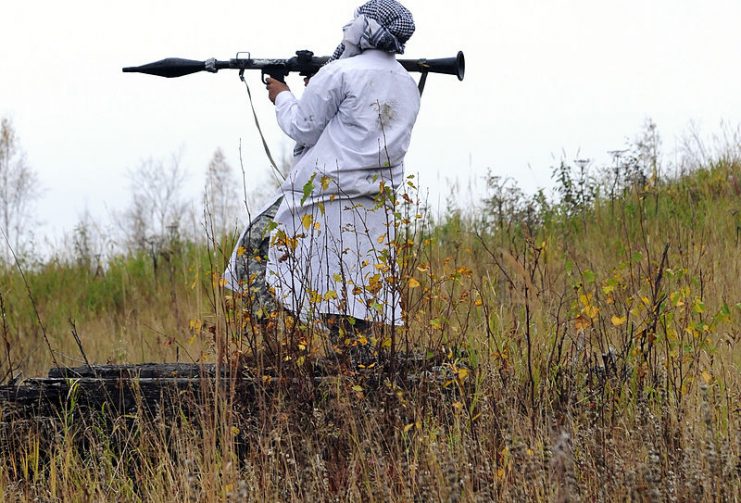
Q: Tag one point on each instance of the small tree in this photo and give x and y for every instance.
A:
(89, 242)
(157, 205)
(19, 189)
(221, 199)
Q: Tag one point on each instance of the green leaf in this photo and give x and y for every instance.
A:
(589, 276)
(698, 306)
(308, 189)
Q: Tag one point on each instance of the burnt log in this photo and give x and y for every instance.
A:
(111, 404)
(181, 388)
(143, 370)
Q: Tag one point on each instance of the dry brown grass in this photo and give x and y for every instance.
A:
(590, 357)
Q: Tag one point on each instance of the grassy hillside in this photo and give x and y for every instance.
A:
(590, 348)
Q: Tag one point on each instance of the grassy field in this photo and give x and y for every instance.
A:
(589, 352)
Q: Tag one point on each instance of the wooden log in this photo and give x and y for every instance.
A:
(143, 370)
(125, 389)
(115, 400)
(52, 396)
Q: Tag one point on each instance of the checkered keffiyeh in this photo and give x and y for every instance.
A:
(378, 24)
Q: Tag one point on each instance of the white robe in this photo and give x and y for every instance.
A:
(354, 121)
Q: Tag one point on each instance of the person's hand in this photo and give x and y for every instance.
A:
(275, 87)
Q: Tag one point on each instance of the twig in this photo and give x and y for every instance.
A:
(30, 297)
(6, 340)
(657, 300)
(79, 346)
(244, 182)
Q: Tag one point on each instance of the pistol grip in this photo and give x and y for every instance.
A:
(273, 75)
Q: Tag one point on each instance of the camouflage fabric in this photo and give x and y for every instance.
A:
(352, 337)
(252, 257)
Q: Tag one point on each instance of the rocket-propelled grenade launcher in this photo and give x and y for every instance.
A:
(304, 63)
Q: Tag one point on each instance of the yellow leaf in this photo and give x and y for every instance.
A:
(413, 283)
(582, 322)
(707, 377)
(408, 427)
(357, 388)
(235, 431)
(618, 320)
(374, 283)
(381, 239)
(325, 182)
(671, 333)
(464, 271)
(500, 473)
(698, 306)
(315, 297)
(462, 374)
(306, 221)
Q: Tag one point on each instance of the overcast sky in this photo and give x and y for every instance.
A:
(543, 78)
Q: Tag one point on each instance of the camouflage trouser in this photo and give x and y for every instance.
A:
(252, 258)
(347, 333)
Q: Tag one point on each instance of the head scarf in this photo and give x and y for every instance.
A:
(378, 24)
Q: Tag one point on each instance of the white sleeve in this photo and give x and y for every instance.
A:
(304, 120)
